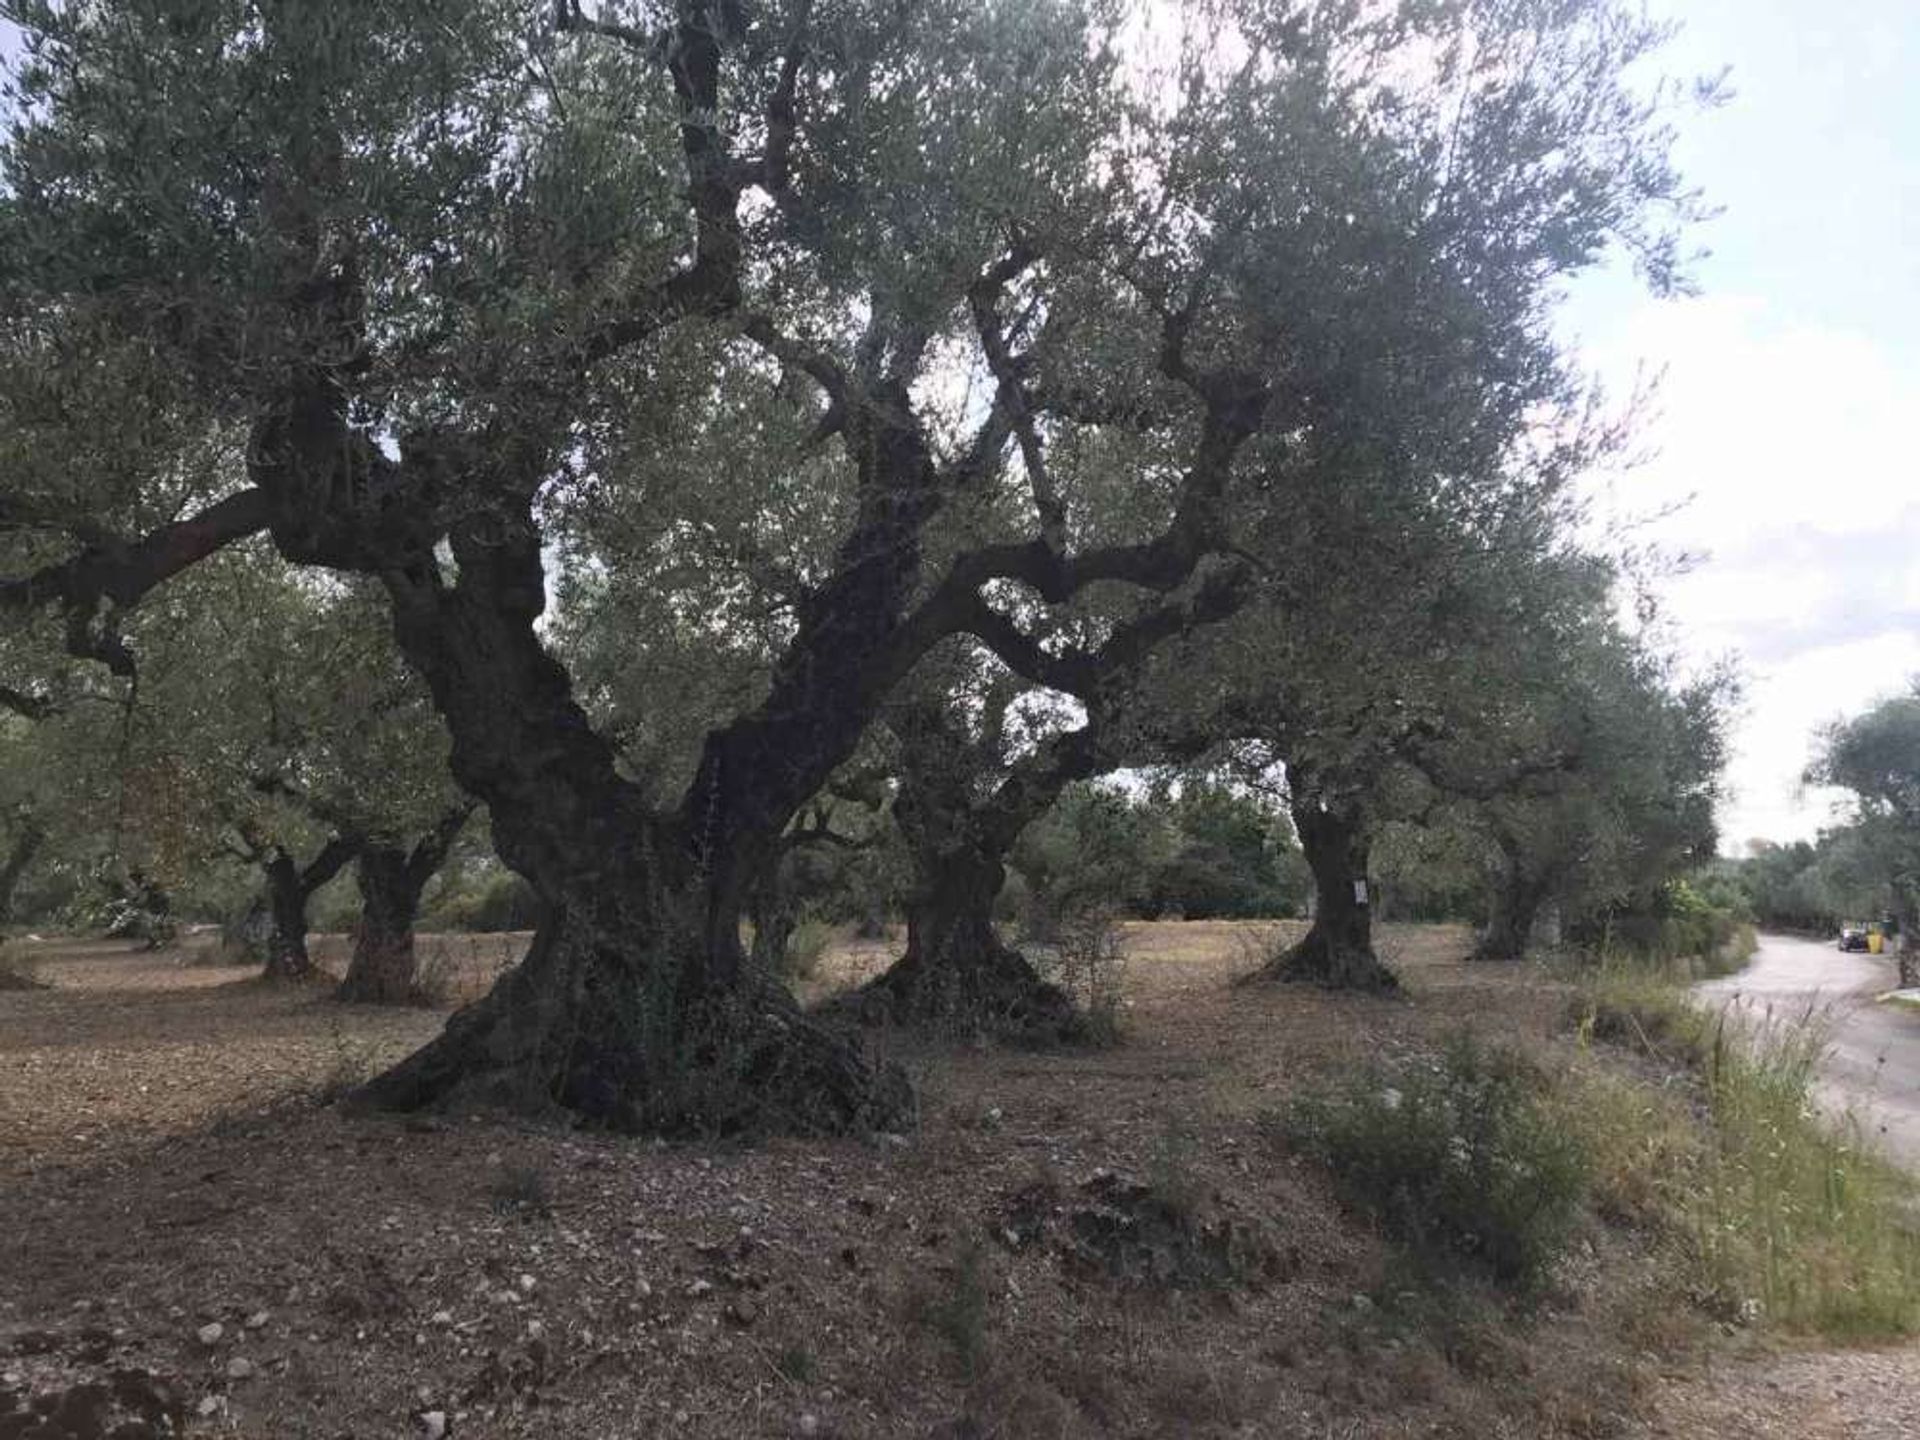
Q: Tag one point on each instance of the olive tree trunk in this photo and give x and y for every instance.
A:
(1337, 950)
(1519, 894)
(635, 1005)
(957, 974)
(289, 890)
(384, 969)
(26, 845)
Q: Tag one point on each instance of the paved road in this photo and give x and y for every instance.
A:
(1873, 1067)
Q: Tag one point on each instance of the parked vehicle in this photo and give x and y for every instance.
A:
(1853, 937)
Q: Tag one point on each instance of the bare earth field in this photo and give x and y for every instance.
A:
(168, 1164)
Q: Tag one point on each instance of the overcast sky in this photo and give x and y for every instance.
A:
(1792, 383)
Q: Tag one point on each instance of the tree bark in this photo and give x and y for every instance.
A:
(1909, 955)
(957, 975)
(1337, 950)
(289, 889)
(383, 969)
(26, 845)
(635, 1006)
(1517, 901)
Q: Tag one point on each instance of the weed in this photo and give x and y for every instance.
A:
(353, 1063)
(1088, 961)
(1457, 1157)
(1797, 1218)
(436, 976)
(807, 946)
(952, 1304)
(1788, 1218)
(522, 1190)
(796, 1365)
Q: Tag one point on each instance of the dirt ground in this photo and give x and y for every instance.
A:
(193, 1241)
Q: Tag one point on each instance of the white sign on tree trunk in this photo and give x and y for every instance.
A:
(1359, 892)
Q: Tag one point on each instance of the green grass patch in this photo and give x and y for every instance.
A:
(1792, 1220)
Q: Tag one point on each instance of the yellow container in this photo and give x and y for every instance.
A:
(1876, 942)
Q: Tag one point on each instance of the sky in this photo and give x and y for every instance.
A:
(1789, 386)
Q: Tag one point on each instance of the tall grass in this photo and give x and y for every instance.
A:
(1792, 1218)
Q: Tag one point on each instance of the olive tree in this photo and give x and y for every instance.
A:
(1876, 756)
(395, 283)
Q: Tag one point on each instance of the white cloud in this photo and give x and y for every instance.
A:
(1792, 445)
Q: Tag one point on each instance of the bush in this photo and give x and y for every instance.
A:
(1457, 1157)
(1086, 957)
(1799, 1219)
(501, 900)
(807, 946)
(1788, 1218)
(1680, 927)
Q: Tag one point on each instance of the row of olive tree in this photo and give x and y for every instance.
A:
(793, 348)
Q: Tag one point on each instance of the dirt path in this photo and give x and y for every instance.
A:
(1817, 1395)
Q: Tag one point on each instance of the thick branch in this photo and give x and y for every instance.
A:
(334, 857)
(121, 573)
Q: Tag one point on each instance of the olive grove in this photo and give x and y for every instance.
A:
(677, 384)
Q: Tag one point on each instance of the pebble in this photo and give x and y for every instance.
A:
(527, 1283)
(210, 1405)
(239, 1368)
(443, 1317)
(257, 1320)
(434, 1424)
(699, 1288)
(210, 1334)
(809, 1423)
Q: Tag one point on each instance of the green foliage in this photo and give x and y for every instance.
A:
(1458, 1157)
(1876, 756)
(493, 900)
(1201, 851)
(1788, 1217)
(1682, 926)
(807, 946)
(953, 1304)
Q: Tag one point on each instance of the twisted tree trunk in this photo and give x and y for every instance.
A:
(384, 969)
(1337, 950)
(957, 974)
(289, 889)
(1518, 896)
(635, 1005)
(27, 841)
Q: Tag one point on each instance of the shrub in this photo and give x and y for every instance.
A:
(807, 946)
(1086, 958)
(1457, 1157)
(1788, 1217)
(1798, 1218)
(501, 900)
(953, 1304)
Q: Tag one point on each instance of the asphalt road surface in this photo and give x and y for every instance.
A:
(1873, 1066)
